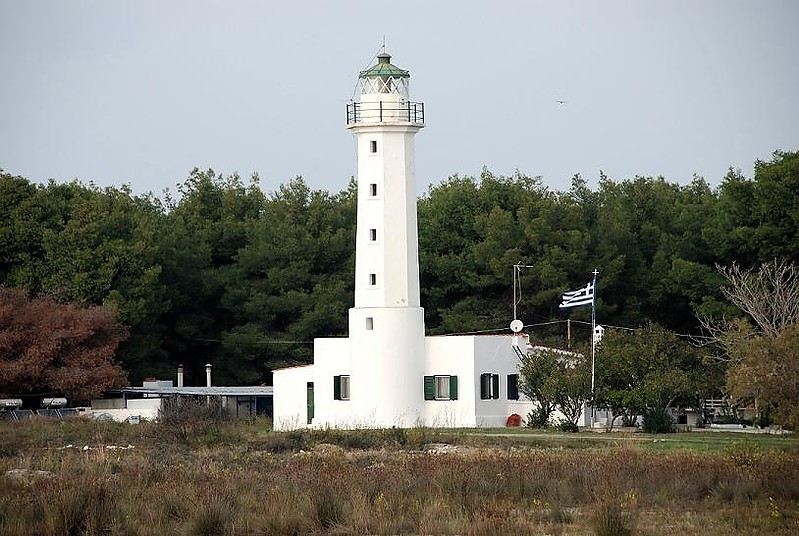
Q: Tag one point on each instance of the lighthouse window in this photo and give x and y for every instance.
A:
(370, 323)
(441, 387)
(373, 235)
(341, 387)
(373, 146)
(373, 189)
(373, 279)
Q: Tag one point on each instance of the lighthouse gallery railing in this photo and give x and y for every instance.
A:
(411, 112)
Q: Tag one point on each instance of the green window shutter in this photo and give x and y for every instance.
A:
(429, 387)
(513, 387)
(336, 387)
(495, 386)
(453, 388)
(485, 386)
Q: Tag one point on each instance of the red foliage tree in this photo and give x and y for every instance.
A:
(47, 346)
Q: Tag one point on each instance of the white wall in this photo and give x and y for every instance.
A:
(468, 357)
(453, 356)
(138, 408)
(290, 402)
(331, 358)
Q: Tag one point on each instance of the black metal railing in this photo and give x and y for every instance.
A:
(380, 112)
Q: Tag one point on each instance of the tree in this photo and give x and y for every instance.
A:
(648, 369)
(535, 372)
(767, 376)
(572, 382)
(770, 296)
(555, 379)
(763, 366)
(50, 347)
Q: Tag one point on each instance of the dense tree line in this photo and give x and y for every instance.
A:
(221, 272)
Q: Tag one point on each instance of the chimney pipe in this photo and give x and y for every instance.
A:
(180, 375)
(208, 375)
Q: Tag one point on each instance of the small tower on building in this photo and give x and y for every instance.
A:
(386, 325)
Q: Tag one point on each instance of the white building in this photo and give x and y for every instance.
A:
(387, 372)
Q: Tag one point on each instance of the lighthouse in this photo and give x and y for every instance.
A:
(387, 373)
(386, 324)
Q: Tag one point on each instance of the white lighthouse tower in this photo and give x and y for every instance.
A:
(386, 325)
(387, 372)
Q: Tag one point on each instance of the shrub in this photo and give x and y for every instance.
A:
(609, 518)
(538, 418)
(213, 517)
(328, 507)
(195, 420)
(567, 426)
(657, 421)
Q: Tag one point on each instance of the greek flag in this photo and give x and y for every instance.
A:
(577, 298)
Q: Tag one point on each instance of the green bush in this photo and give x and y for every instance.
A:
(657, 421)
(567, 426)
(538, 418)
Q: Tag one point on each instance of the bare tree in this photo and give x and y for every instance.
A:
(769, 295)
(763, 369)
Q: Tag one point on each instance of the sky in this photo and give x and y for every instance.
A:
(142, 92)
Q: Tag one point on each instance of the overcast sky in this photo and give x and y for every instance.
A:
(141, 92)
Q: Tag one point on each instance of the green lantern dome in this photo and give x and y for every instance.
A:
(384, 78)
(384, 68)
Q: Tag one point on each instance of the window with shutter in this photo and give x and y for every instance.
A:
(485, 386)
(441, 387)
(341, 387)
(513, 387)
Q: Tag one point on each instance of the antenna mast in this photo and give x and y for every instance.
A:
(517, 285)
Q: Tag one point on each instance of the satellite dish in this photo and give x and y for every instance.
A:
(516, 326)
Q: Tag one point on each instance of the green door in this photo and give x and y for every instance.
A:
(309, 396)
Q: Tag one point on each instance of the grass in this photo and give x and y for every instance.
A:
(243, 479)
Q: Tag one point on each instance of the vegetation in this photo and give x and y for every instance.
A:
(555, 381)
(85, 477)
(48, 346)
(224, 273)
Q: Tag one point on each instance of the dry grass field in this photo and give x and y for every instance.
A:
(211, 477)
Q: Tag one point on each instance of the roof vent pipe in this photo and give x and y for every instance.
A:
(208, 375)
(180, 375)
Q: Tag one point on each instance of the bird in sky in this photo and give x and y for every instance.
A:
(561, 101)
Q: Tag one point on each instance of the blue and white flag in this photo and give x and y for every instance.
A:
(577, 298)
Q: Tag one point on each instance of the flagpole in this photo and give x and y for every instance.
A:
(593, 346)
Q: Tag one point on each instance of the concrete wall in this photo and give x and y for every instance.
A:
(331, 358)
(290, 392)
(495, 355)
(137, 409)
(451, 356)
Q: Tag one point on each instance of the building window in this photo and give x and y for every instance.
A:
(370, 323)
(373, 235)
(489, 386)
(513, 387)
(373, 280)
(373, 189)
(341, 387)
(441, 387)
(373, 146)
